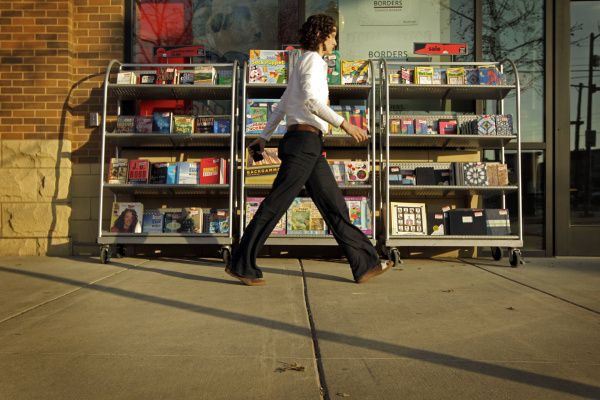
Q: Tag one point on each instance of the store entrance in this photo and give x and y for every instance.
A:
(577, 141)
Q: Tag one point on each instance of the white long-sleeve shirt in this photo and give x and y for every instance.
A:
(305, 98)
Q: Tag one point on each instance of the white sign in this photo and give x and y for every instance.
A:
(387, 28)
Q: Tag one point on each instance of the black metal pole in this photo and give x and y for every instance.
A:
(588, 130)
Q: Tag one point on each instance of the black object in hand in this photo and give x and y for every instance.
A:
(256, 153)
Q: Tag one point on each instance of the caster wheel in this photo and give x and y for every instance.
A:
(395, 257)
(105, 255)
(497, 253)
(515, 258)
(226, 255)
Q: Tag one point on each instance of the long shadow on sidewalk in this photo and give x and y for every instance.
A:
(479, 367)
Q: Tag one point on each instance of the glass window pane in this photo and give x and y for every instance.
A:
(585, 114)
(227, 28)
(515, 30)
(533, 167)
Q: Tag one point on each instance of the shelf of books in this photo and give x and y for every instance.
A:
(425, 204)
(352, 94)
(172, 170)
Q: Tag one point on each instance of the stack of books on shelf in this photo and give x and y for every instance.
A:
(167, 123)
(193, 75)
(131, 217)
(415, 219)
(303, 217)
(427, 75)
(449, 174)
(484, 125)
(210, 170)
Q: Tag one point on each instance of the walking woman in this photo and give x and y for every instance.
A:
(305, 103)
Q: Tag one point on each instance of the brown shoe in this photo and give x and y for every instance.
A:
(377, 270)
(245, 280)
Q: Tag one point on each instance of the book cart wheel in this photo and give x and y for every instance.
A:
(395, 256)
(105, 254)
(226, 255)
(497, 253)
(515, 258)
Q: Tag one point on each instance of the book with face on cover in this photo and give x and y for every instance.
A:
(117, 171)
(126, 217)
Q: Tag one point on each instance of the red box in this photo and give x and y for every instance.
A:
(447, 127)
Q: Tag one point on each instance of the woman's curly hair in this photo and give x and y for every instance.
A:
(315, 31)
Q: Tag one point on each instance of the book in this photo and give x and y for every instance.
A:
(355, 72)
(262, 172)
(471, 76)
(183, 124)
(303, 218)
(407, 126)
(210, 170)
(408, 218)
(186, 78)
(356, 172)
(333, 61)
(489, 75)
(395, 126)
(407, 75)
(455, 76)
(504, 125)
(502, 175)
(191, 220)
(148, 78)
(338, 168)
(126, 217)
(447, 127)
(158, 172)
(204, 74)
(358, 116)
(223, 178)
(421, 126)
(172, 218)
(491, 170)
(359, 213)
(126, 78)
(252, 205)
(205, 125)
(439, 76)
(143, 124)
(267, 66)
(125, 124)
(187, 173)
(344, 112)
(139, 171)
(166, 75)
(256, 115)
(222, 126)
(486, 125)
(424, 75)
(117, 170)
(152, 221)
(171, 173)
(162, 121)
(474, 174)
(218, 221)
(224, 76)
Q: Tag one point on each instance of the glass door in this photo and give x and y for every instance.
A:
(577, 160)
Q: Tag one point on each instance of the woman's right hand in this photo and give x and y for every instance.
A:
(260, 141)
(360, 135)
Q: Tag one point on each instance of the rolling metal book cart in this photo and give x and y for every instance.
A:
(448, 92)
(336, 93)
(196, 141)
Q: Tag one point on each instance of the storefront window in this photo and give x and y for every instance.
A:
(375, 29)
(515, 30)
(227, 29)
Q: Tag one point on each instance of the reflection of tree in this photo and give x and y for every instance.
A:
(514, 29)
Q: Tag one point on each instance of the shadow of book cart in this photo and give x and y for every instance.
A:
(171, 176)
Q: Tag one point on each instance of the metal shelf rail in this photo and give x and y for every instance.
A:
(445, 92)
(336, 92)
(121, 92)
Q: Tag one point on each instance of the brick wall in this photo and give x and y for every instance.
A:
(52, 59)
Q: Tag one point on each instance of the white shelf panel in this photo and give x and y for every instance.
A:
(169, 139)
(192, 92)
(442, 190)
(454, 241)
(451, 92)
(450, 141)
(164, 238)
(164, 189)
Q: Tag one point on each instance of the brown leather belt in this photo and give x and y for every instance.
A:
(303, 128)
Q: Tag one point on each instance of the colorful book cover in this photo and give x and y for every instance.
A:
(187, 173)
(408, 218)
(358, 116)
(407, 126)
(205, 125)
(471, 76)
(158, 172)
(252, 205)
(152, 221)
(117, 170)
(356, 171)
(475, 174)
(267, 66)
(172, 174)
(338, 168)
(143, 124)
(489, 76)
(439, 76)
(334, 68)
(447, 127)
(139, 171)
(161, 121)
(204, 74)
(395, 126)
(125, 124)
(126, 217)
(407, 75)
(172, 218)
(455, 76)
(224, 76)
(304, 218)
(262, 172)
(183, 124)
(186, 78)
(209, 171)
(191, 220)
(421, 126)
(256, 115)
(504, 125)
(486, 125)
(359, 212)
(355, 72)
(222, 126)
(218, 221)
(424, 75)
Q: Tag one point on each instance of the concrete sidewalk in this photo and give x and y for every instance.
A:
(182, 329)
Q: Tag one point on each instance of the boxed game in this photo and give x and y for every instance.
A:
(455, 76)
(267, 66)
(356, 172)
(125, 124)
(355, 72)
(143, 124)
(162, 121)
(183, 124)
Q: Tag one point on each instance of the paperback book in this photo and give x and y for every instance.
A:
(252, 205)
(183, 124)
(355, 72)
(125, 124)
(152, 221)
(143, 124)
(139, 171)
(117, 171)
(126, 217)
